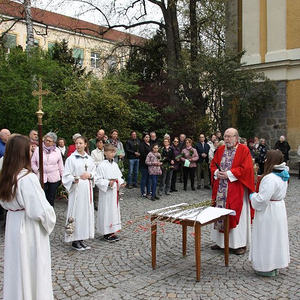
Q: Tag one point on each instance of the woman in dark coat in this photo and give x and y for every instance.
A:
(144, 150)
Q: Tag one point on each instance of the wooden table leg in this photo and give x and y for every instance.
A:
(153, 241)
(198, 250)
(226, 239)
(184, 237)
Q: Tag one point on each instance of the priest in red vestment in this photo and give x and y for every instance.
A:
(233, 180)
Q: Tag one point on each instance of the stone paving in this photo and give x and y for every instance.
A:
(123, 270)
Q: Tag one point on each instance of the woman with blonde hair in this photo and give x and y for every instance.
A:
(29, 222)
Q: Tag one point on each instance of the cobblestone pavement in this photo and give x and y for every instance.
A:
(123, 270)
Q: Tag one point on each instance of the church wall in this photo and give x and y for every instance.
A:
(251, 31)
(293, 113)
(293, 24)
(272, 122)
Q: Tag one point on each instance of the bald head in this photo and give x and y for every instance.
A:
(4, 135)
(231, 137)
(100, 134)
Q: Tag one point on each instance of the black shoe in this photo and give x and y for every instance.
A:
(111, 238)
(238, 251)
(115, 237)
(184, 189)
(152, 199)
(216, 247)
(193, 189)
(207, 187)
(77, 246)
(84, 245)
(134, 186)
(199, 187)
(156, 198)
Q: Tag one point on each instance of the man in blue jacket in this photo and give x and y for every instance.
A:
(4, 135)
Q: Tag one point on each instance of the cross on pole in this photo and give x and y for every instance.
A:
(40, 92)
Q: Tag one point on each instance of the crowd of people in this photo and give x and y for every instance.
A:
(92, 172)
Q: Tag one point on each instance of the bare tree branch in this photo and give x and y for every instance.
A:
(133, 25)
(15, 21)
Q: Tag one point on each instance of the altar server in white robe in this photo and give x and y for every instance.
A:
(270, 243)
(29, 222)
(109, 180)
(78, 179)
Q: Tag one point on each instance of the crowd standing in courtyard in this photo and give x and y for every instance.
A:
(92, 173)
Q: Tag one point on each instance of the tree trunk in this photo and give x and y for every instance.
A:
(174, 60)
(29, 25)
(195, 91)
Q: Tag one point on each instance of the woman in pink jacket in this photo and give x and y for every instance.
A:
(53, 165)
(189, 159)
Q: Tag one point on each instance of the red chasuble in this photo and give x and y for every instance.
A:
(242, 169)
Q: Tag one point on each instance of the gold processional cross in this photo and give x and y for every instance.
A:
(40, 114)
(40, 93)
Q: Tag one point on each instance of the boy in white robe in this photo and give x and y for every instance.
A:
(269, 249)
(109, 180)
(78, 179)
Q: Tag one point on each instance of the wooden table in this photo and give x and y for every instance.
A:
(185, 222)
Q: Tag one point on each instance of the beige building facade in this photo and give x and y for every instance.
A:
(95, 49)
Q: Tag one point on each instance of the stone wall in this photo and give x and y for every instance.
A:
(272, 121)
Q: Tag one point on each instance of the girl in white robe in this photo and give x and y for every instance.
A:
(269, 249)
(29, 222)
(109, 180)
(78, 179)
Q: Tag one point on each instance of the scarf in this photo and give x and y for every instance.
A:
(48, 150)
(226, 164)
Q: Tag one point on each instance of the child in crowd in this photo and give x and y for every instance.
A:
(153, 163)
(78, 179)
(270, 243)
(109, 181)
(98, 154)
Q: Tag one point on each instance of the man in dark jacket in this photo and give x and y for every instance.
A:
(132, 151)
(202, 166)
(284, 147)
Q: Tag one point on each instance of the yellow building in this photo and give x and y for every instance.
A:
(96, 48)
(269, 31)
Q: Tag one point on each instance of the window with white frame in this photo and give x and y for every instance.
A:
(95, 60)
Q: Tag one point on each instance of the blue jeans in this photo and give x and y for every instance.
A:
(145, 181)
(133, 171)
(153, 179)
